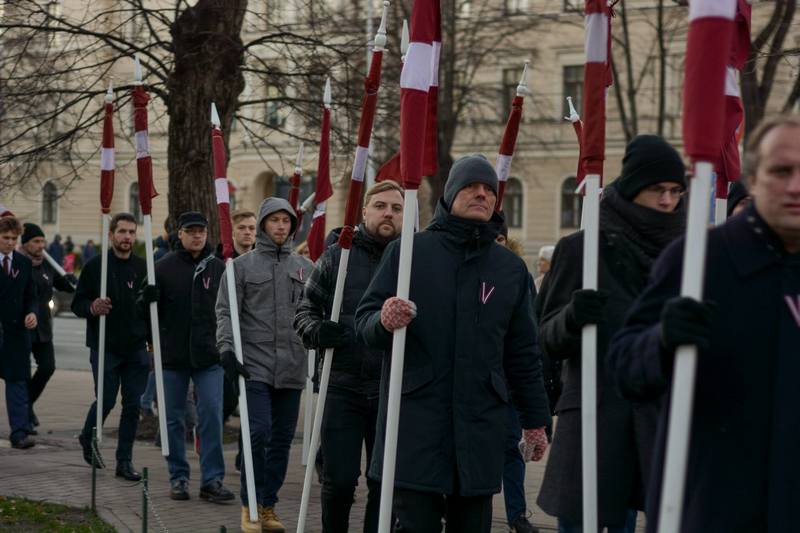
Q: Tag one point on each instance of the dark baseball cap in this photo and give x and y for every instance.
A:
(192, 218)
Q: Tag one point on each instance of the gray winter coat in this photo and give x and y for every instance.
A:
(269, 288)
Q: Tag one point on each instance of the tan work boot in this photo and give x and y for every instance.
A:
(247, 526)
(269, 520)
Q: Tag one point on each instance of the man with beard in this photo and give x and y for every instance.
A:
(473, 339)
(126, 360)
(269, 287)
(640, 214)
(46, 279)
(351, 409)
(187, 281)
(743, 469)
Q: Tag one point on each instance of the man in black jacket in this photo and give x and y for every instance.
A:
(17, 318)
(126, 361)
(187, 280)
(473, 338)
(351, 409)
(46, 279)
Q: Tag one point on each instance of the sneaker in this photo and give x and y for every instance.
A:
(522, 525)
(216, 492)
(246, 525)
(86, 445)
(270, 523)
(179, 489)
(24, 443)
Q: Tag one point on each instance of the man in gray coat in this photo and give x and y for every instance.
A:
(269, 288)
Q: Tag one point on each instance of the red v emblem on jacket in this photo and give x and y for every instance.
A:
(206, 282)
(130, 284)
(486, 294)
(794, 307)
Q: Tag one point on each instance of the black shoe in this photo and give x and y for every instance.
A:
(179, 490)
(521, 525)
(125, 470)
(86, 445)
(216, 492)
(33, 419)
(24, 443)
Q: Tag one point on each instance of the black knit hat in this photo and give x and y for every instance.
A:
(30, 231)
(648, 160)
(736, 194)
(473, 168)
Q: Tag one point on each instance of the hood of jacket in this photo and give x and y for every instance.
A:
(263, 242)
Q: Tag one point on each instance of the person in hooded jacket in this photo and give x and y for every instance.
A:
(470, 338)
(351, 409)
(640, 214)
(187, 281)
(269, 288)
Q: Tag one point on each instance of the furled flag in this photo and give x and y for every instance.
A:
(324, 189)
(577, 125)
(294, 181)
(221, 185)
(144, 163)
(502, 165)
(390, 170)
(107, 155)
(430, 164)
(415, 82)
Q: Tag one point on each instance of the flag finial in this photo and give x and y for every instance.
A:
(380, 36)
(522, 88)
(215, 116)
(326, 95)
(110, 92)
(404, 38)
(308, 203)
(137, 70)
(298, 164)
(573, 115)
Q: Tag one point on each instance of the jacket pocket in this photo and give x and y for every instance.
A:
(298, 284)
(500, 387)
(417, 378)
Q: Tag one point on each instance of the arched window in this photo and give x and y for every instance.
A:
(133, 203)
(512, 203)
(49, 203)
(571, 203)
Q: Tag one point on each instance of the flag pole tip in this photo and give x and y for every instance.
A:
(380, 36)
(326, 95)
(522, 88)
(404, 39)
(137, 70)
(110, 92)
(299, 161)
(573, 114)
(215, 115)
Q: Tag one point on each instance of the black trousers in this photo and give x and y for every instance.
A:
(45, 358)
(422, 512)
(349, 421)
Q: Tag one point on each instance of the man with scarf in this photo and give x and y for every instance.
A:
(641, 212)
(471, 340)
(46, 279)
(351, 410)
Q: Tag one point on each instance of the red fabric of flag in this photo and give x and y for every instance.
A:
(144, 163)
(390, 170)
(707, 54)
(222, 189)
(316, 236)
(323, 191)
(502, 165)
(430, 163)
(294, 192)
(107, 160)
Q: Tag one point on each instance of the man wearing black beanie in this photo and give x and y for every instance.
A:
(641, 212)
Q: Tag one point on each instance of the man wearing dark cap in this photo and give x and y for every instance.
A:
(46, 279)
(641, 212)
(470, 349)
(187, 280)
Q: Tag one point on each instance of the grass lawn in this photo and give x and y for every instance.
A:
(19, 514)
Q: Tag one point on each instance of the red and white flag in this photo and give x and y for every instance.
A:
(708, 53)
(324, 189)
(415, 82)
(502, 165)
(107, 155)
(144, 163)
(430, 165)
(221, 185)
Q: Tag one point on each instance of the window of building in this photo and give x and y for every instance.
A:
(571, 204)
(512, 203)
(511, 78)
(133, 203)
(573, 86)
(49, 203)
(515, 7)
(273, 115)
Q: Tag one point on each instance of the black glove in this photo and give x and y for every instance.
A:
(333, 334)
(685, 321)
(150, 294)
(72, 280)
(586, 307)
(233, 369)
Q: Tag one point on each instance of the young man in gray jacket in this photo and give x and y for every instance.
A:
(269, 287)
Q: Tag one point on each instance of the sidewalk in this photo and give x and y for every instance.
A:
(54, 471)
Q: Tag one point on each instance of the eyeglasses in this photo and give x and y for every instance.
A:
(659, 190)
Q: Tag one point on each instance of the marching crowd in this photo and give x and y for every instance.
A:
(491, 353)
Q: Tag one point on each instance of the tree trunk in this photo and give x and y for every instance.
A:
(209, 56)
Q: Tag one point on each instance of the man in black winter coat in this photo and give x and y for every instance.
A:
(17, 318)
(640, 214)
(743, 470)
(126, 360)
(470, 338)
(351, 409)
(46, 279)
(187, 281)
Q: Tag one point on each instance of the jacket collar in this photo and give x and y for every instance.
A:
(752, 244)
(470, 235)
(368, 242)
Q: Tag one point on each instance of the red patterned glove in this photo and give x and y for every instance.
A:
(533, 444)
(397, 313)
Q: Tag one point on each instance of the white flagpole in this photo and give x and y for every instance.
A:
(309, 412)
(101, 342)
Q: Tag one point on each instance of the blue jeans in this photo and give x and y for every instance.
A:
(17, 408)
(128, 373)
(149, 394)
(514, 470)
(273, 419)
(208, 387)
(629, 527)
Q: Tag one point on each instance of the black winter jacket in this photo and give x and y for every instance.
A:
(473, 339)
(17, 300)
(125, 326)
(46, 279)
(355, 367)
(187, 320)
